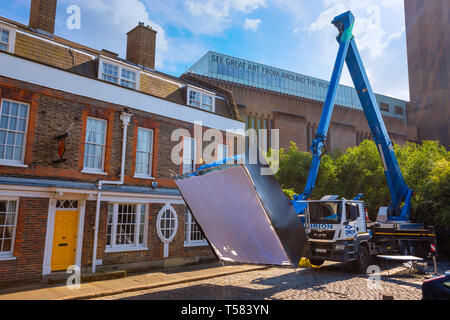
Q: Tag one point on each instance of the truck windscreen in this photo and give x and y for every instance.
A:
(325, 212)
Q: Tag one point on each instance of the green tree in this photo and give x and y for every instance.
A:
(294, 169)
(425, 168)
(360, 170)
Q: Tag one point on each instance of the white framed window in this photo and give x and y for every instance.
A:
(7, 38)
(117, 73)
(193, 236)
(94, 149)
(222, 151)
(201, 99)
(189, 153)
(167, 224)
(8, 222)
(144, 153)
(13, 132)
(127, 227)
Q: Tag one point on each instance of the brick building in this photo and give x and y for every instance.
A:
(272, 98)
(427, 25)
(85, 153)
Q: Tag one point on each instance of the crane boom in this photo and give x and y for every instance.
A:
(349, 53)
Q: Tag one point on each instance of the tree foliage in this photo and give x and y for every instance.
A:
(425, 167)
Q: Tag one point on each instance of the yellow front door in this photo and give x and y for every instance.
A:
(64, 240)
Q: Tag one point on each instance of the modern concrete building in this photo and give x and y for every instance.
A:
(268, 97)
(428, 41)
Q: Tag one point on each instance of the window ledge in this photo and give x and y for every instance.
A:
(87, 171)
(7, 258)
(124, 249)
(12, 164)
(195, 244)
(138, 176)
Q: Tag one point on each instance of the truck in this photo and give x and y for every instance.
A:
(243, 215)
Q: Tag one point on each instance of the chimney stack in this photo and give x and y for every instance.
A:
(141, 46)
(42, 15)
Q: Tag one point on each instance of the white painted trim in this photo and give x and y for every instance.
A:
(95, 170)
(119, 63)
(210, 93)
(80, 232)
(121, 66)
(202, 93)
(164, 240)
(126, 249)
(12, 36)
(6, 163)
(47, 267)
(10, 254)
(152, 144)
(55, 43)
(188, 244)
(164, 79)
(32, 72)
(137, 176)
(7, 258)
(87, 171)
(50, 192)
(47, 263)
(17, 163)
(136, 246)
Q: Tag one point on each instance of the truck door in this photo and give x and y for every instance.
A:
(351, 227)
(362, 223)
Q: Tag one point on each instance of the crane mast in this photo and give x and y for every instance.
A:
(348, 53)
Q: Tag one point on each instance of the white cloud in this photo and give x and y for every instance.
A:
(392, 3)
(251, 24)
(204, 17)
(117, 17)
(114, 18)
(215, 15)
(368, 28)
(380, 36)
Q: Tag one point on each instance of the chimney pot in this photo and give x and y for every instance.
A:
(43, 15)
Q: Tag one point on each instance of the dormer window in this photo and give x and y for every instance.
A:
(201, 99)
(7, 36)
(119, 74)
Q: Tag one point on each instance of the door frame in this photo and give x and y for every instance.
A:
(47, 264)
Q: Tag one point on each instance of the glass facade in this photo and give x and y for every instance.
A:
(223, 67)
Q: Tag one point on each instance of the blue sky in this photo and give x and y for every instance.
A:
(290, 34)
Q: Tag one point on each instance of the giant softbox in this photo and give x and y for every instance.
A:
(244, 215)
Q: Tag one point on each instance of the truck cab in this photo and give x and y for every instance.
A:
(337, 231)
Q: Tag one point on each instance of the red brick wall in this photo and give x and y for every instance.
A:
(53, 112)
(156, 247)
(29, 244)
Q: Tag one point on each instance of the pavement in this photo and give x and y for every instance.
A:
(332, 281)
(131, 283)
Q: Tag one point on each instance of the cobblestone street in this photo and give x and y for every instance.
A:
(333, 281)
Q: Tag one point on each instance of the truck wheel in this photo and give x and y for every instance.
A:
(362, 259)
(316, 262)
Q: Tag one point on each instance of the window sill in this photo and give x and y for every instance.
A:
(12, 164)
(195, 244)
(7, 258)
(124, 249)
(94, 172)
(137, 176)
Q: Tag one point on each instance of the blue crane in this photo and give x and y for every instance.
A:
(348, 52)
(247, 218)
